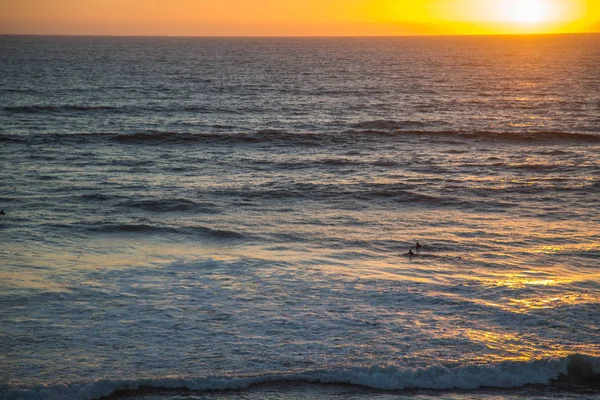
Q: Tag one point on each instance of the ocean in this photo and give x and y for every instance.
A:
(218, 218)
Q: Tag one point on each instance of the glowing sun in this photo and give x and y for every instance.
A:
(528, 11)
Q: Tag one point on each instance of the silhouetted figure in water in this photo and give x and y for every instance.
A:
(2, 212)
(410, 253)
(418, 246)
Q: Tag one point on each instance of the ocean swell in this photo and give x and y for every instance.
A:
(500, 136)
(310, 139)
(34, 109)
(566, 373)
(191, 231)
(268, 137)
(169, 205)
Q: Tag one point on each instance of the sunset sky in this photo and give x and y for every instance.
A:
(297, 18)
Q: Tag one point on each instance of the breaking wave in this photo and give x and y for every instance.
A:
(575, 371)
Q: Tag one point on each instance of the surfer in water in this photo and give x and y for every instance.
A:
(418, 246)
(410, 253)
(2, 212)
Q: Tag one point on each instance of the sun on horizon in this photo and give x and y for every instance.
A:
(297, 18)
(528, 11)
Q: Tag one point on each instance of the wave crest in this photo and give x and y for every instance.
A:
(576, 369)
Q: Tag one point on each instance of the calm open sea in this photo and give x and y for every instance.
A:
(226, 213)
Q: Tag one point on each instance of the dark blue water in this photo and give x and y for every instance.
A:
(212, 213)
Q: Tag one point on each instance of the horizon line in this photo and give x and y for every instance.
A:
(305, 36)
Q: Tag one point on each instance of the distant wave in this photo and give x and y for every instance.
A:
(282, 138)
(193, 231)
(368, 192)
(36, 108)
(96, 197)
(33, 109)
(388, 125)
(507, 136)
(57, 109)
(126, 108)
(575, 371)
(271, 137)
(379, 130)
(170, 205)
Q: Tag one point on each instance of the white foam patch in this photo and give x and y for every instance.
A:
(503, 375)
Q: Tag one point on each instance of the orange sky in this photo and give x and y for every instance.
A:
(297, 18)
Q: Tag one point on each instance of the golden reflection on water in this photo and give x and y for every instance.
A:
(582, 247)
(510, 346)
(552, 301)
(520, 280)
(17, 280)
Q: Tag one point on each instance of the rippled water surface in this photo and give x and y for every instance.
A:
(219, 213)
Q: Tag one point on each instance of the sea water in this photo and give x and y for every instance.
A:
(230, 217)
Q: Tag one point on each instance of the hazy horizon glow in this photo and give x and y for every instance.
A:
(294, 18)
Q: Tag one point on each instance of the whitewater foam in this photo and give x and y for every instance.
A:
(504, 375)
